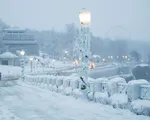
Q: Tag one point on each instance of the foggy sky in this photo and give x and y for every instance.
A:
(134, 15)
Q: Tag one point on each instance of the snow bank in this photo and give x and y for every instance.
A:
(113, 85)
(102, 97)
(133, 89)
(6, 114)
(119, 100)
(77, 93)
(68, 91)
(141, 107)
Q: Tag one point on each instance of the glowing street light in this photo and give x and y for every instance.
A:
(92, 66)
(104, 60)
(22, 52)
(66, 52)
(126, 57)
(75, 63)
(85, 17)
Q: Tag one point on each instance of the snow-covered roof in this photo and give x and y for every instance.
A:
(8, 55)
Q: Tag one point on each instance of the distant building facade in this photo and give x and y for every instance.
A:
(19, 39)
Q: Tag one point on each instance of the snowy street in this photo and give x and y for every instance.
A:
(27, 102)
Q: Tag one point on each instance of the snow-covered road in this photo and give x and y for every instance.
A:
(33, 103)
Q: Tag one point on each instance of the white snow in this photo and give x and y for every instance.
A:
(10, 71)
(133, 88)
(141, 107)
(119, 100)
(102, 97)
(113, 85)
(8, 55)
(5, 114)
(34, 103)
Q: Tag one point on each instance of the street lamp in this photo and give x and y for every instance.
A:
(126, 57)
(22, 53)
(85, 21)
(92, 66)
(31, 63)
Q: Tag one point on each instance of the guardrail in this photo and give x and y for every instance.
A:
(102, 90)
(122, 88)
(145, 92)
(104, 86)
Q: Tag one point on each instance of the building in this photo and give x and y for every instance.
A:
(8, 58)
(18, 39)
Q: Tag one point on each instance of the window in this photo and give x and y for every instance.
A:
(4, 62)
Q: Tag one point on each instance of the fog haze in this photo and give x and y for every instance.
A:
(133, 15)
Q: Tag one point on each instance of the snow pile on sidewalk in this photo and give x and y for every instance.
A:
(119, 100)
(141, 107)
(5, 114)
(102, 97)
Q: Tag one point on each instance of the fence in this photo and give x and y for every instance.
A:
(145, 92)
(122, 88)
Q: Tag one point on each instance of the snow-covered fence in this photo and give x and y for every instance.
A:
(122, 88)
(104, 86)
(145, 92)
(134, 89)
(11, 76)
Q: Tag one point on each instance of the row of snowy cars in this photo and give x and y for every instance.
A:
(134, 95)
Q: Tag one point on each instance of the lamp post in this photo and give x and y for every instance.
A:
(85, 20)
(31, 64)
(22, 53)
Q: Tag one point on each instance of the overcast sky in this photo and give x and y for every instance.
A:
(133, 15)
